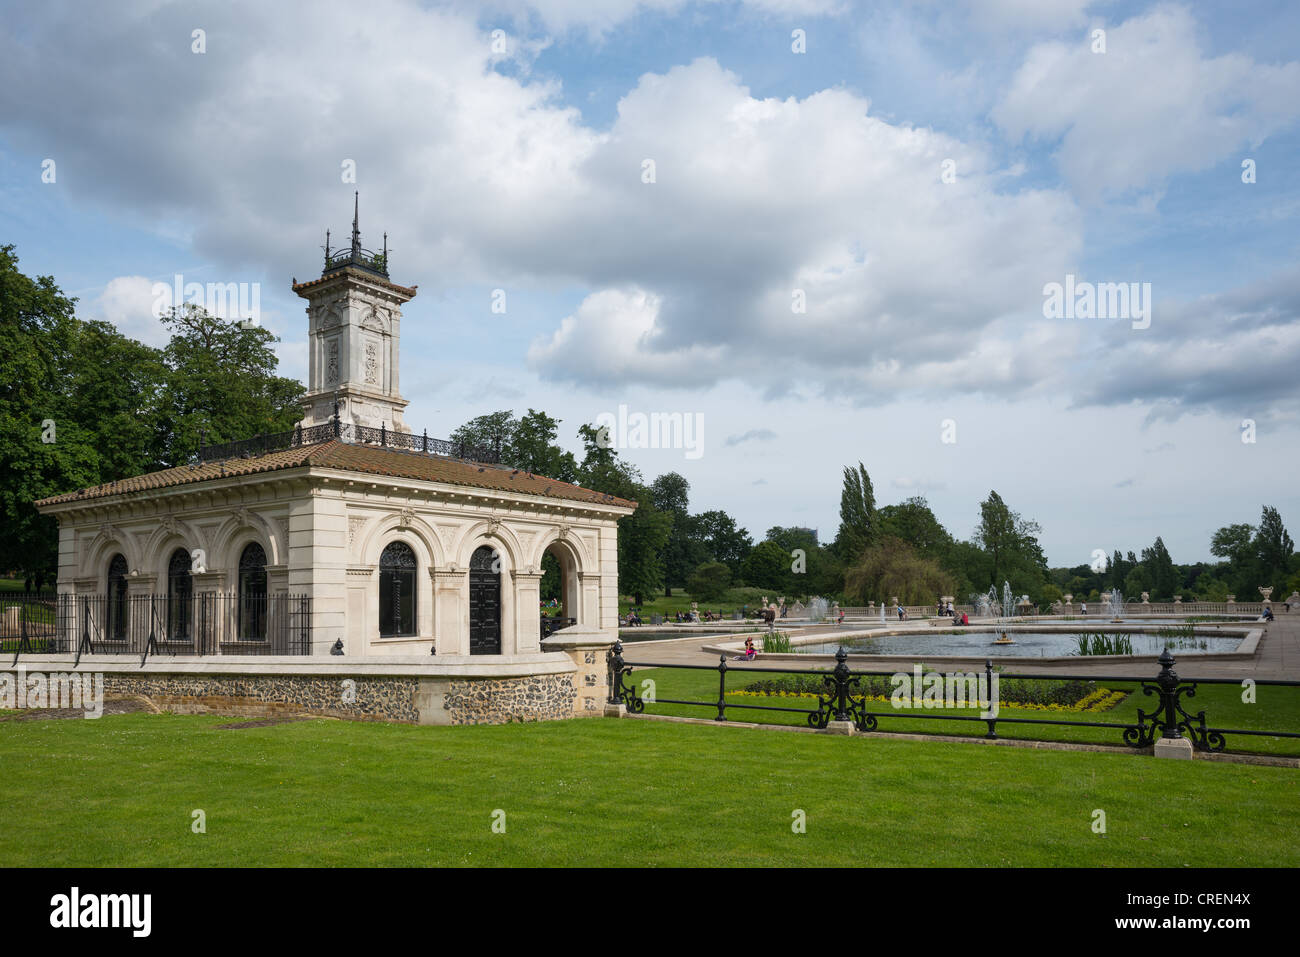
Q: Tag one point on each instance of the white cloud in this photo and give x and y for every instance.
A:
(128, 303)
(1151, 106)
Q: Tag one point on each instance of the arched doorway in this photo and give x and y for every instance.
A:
(252, 593)
(180, 597)
(561, 600)
(484, 602)
(115, 625)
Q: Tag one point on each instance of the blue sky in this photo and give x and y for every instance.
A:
(775, 171)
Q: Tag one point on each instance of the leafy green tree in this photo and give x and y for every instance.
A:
(1272, 550)
(915, 523)
(494, 432)
(857, 514)
(671, 494)
(894, 568)
(1011, 543)
(532, 447)
(767, 566)
(1233, 543)
(709, 581)
(38, 337)
(723, 540)
(221, 380)
(1160, 571)
(641, 535)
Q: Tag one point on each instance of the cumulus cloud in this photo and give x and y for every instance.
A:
(128, 303)
(803, 244)
(1154, 104)
(1235, 352)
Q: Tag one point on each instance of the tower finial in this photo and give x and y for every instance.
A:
(356, 233)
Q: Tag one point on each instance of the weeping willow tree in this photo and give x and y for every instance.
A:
(893, 567)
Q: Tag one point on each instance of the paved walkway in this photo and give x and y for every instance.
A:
(1277, 656)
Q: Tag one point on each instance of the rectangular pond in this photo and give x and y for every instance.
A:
(1028, 644)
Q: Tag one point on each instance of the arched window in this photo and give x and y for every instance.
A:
(180, 597)
(397, 590)
(252, 593)
(115, 623)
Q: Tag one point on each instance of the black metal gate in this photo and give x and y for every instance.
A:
(484, 603)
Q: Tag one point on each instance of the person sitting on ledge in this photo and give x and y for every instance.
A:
(1267, 614)
(750, 654)
(964, 619)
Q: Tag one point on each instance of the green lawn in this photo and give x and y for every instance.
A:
(1275, 708)
(120, 791)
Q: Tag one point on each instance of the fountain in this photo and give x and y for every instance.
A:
(817, 608)
(1006, 610)
(982, 605)
(882, 612)
(1116, 604)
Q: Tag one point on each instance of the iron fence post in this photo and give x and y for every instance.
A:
(614, 665)
(1167, 680)
(841, 674)
(722, 688)
(988, 683)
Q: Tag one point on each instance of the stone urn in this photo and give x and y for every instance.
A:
(1266, 591)
(1068, 600)
(1178, 599)
(1146, 598)
(871, 605)
(1232, 599)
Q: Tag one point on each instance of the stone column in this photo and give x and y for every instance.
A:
(587, 646)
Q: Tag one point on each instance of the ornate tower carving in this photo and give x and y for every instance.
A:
(354, 315)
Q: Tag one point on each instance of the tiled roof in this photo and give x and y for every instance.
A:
(369, 459)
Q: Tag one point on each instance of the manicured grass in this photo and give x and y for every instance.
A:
(121, 790)
(1275, 709)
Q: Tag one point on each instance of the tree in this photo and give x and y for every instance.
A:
(1012, 546)
(767, 566)
(641, 535)
(857, 514)
(894, 568)
(1272, 549)
(45, 448)
(723, 540)
(709, 581)
(915, 523)
(671, 493)
(493, 432)
(532, 448)
(1160, 571)
(221, 380)
(1233, 543)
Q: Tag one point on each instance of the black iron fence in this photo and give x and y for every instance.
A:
(347, 432)
(202, 624)
(843, 699)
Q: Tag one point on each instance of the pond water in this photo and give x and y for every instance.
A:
(1027, 644)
